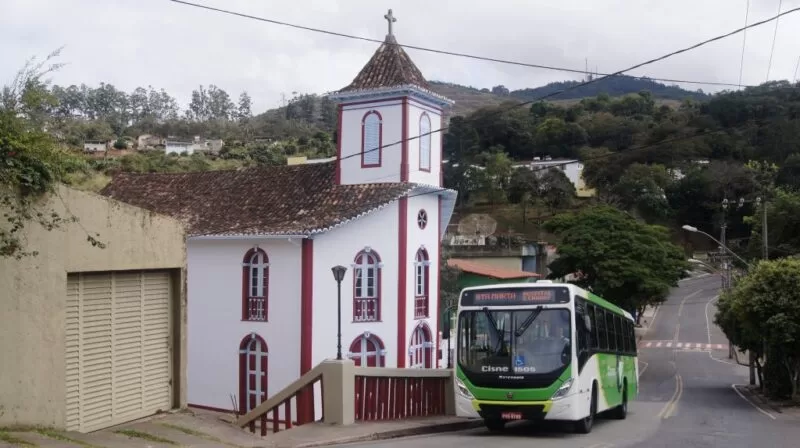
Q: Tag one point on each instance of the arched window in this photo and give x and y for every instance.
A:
(255, 285)
(367, 350)
(424, 142)
(371, 139)
(420, 350)
(367, 286)
(253, 365)
(421, 284)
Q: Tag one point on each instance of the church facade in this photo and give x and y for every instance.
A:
(262, 299)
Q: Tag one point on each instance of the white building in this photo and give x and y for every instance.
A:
(262, 300)
(572, 168)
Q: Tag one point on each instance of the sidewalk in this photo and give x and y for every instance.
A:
(198, 428)
(646, 320)
(753, 394)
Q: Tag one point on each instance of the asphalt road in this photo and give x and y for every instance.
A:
(686, 401)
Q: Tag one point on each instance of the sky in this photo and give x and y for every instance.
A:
(131, 43)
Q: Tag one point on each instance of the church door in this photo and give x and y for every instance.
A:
(252, 372)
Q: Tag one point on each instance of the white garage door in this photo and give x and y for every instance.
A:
(118, 347)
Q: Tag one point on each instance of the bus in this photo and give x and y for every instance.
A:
(542, 351)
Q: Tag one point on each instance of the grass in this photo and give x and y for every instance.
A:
(145, 436)
(8, 438)
(196, 433)
(50, 433)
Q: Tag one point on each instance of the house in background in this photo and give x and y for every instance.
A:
(572, 168)
(93, 337)
(262, 242)
(173, 146)
(95, 146)
(475, 273)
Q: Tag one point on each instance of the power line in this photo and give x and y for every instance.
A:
(744, 42)
(796, 67)
(774, 38)
(432, 50)
(591, 81)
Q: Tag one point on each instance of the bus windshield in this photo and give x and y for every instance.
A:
(523, 342)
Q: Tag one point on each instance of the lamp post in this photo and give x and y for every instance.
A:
(446, 327)
(693, 229)
(338, 275)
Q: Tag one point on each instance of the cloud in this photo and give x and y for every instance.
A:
(165, 44)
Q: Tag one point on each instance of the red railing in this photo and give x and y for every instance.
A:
(275, 414)
(392, 398)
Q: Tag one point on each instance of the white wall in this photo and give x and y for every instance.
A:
(415, 111)
(391, 156)
(215, 321)
(428, 237)
(379, 231)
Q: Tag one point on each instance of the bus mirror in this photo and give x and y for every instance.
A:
(587, 322)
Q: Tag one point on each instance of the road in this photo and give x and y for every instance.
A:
(687, 399)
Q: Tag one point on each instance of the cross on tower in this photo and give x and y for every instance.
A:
(391, 19)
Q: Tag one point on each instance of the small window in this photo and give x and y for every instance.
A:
(424, 142)
(421, 284)
(366, 287)
(255, 288)
(371, 140)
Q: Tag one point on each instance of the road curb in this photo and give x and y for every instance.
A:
(398, 433)
(756, 398)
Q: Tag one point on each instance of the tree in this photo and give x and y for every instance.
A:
(783, 225)
(628, 262)
(497, 174)
(556, 190)
(765, 306)
(245, 104)
(642, 189)
(31, 163)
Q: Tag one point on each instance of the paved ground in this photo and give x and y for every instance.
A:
(687, 397)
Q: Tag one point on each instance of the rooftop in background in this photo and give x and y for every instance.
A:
(478, 268)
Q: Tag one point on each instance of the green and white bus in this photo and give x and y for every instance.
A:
(542, 351)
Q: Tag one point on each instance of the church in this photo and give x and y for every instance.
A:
(262, 242)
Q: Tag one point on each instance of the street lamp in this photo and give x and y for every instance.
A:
(338, 275)
(693, 229)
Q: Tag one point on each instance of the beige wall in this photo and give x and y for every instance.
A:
(33, 295)
(514, 263)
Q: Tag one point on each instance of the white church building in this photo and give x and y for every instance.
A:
(262, 299)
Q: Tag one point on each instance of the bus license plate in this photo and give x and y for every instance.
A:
(511, 415)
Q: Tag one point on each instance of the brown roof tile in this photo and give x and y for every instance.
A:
(390, 66)
(478, 268)
(283, 200)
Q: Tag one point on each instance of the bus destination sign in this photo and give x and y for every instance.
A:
(515, 296)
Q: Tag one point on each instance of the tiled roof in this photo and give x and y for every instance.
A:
(478, 268)
(279, 200)
(390, 66)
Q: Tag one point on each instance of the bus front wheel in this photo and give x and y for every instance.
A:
(584, 425)
(494, 424)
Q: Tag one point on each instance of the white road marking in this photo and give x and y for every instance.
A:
(753, 404)
(641, 371)
(669, 344)
(680, 344)
(658, 344)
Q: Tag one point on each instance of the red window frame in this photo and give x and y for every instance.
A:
(364, 163)
(422, 285)
(375, 352)
(366, 307)
(248, 351)
(425, 138)
(255, 307)
(420, 347)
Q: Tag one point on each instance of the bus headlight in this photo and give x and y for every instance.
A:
(563, 390)
(462, 389)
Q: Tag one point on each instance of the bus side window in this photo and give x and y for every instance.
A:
(620, 334)
(612, 333)
(592, 334)
(581, 332)
(602, 334)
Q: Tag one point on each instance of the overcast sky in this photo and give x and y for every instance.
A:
(131, 43)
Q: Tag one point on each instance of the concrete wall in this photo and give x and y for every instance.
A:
(215, 317)
(391, 156)
(33, 291)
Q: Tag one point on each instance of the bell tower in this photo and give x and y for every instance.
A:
(387, 121)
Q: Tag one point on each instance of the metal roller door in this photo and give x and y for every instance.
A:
(118, 347)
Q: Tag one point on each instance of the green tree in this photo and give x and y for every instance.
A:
(783, 225)
(641, 189)
(628, 262)
(31, 163)
(766, 303)
(555, 189)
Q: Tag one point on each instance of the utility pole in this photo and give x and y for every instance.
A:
(763, 205)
